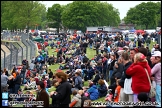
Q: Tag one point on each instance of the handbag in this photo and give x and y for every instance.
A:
(152, 92)
(127, 86)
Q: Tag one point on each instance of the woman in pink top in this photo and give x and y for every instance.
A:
(156, 70)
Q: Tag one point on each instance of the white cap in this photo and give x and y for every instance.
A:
(157, 54)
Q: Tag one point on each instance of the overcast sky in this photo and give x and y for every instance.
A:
(122, 6)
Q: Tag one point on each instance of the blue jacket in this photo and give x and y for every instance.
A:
(99, 68)
(93, 91)
(102, 90)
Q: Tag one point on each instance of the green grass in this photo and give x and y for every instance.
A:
(90, 55)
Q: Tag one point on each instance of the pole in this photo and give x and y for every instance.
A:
(30, 49)
(26, 49)
(10, 56)
(22, 50)
(16, 54)
(4, 57)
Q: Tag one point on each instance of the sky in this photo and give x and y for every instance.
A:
(122, 6)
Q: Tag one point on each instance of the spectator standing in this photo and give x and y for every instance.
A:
(113, 60)
(127, 63)
(148, 41)
(23, 71)
(132, 53)
(4, 80)
(42, 95)
(17, 81)
(63, 94)
(144, 51)
(156, 71)
(55, 103)
(6, 72)
(140, 82)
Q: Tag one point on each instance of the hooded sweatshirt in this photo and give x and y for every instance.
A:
(78, 98)
(140, 82)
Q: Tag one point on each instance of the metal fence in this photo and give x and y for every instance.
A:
(11, 36)
(13, 51)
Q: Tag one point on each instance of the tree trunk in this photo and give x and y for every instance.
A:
(58, 28)
(146, 26)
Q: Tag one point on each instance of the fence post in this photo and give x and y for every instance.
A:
(35, 50)
(26, 50)
(21, 48)
(16, 54)
(4, 58)
(10, 56)
(30, 48)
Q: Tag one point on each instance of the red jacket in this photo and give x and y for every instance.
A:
(28, 73)
(140, 82)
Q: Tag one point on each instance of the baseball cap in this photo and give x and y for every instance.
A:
(157, 54)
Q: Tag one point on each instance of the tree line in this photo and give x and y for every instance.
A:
(76, 15)
(22, 14)
(145, 14)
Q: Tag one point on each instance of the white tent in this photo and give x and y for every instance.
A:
(125, 31)
(51, 29)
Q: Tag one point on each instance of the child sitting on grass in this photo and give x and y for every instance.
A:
(30, 85)
(76, 100)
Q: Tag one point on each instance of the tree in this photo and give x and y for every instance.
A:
(54, 15)
(21, 14)
(158, 20)
(80, 14)
(143, 14)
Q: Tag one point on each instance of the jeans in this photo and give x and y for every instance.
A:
(17, 87)
(135, 99)
(23, 77)
(47, 90)
(110, 73)
(158, 95)
(90, 45)
(12, 90)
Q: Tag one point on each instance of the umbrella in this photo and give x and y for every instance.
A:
(140, 31)
(132, 30)
(59, 70)
(19, 67)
